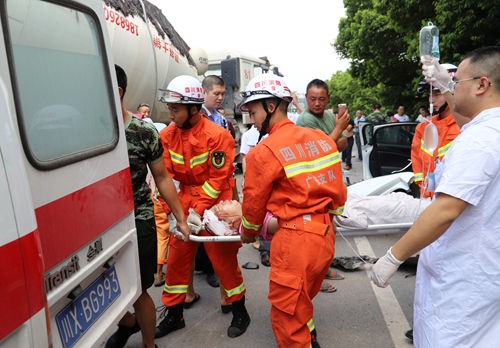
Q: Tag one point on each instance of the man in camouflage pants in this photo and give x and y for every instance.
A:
(145, 150)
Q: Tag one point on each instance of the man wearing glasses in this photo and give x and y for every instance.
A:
(458, 278)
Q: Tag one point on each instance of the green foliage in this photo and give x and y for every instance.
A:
(346, 89)
(381, 38)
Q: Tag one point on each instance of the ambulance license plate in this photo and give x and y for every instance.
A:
(77, 317)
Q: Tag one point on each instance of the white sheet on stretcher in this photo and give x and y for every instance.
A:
(396, 210)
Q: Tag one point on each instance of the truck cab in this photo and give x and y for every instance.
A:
(237, 69)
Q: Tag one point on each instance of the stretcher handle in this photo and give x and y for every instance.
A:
(195, 238)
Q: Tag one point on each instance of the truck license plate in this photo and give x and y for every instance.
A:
(77, 317)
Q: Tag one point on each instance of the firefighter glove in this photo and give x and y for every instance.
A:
(194, 221)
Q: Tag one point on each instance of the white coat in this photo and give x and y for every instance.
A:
(457, 297)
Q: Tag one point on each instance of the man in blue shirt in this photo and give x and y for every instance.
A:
(214, 92)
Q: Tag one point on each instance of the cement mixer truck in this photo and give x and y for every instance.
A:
(149, 49)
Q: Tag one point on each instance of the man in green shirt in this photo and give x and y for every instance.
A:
(317, 117)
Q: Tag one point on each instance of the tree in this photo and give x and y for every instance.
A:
(341, 87)
(381, 39)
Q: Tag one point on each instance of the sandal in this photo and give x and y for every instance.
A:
(327, 288)
(159, 281)
(227, 308)
(188, 305)
(331, 275)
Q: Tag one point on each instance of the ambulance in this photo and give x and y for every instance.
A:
(68, 247)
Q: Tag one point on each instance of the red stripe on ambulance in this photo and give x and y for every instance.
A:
(22, 287)
(69, 223)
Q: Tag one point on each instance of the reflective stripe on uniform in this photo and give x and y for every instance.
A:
(418, 177)
(444, 149)
(175, 289)
(236, 291)
(209, 190)
(198, 159)
(310, 325)
(312, 166)
(248, 225)
(422, 147)
(176, 158)
(337, 211)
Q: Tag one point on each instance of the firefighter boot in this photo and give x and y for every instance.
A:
(241, 319)
(314, 339)
(120, 337)
(174, 320)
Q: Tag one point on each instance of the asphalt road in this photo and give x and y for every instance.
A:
(357, 315)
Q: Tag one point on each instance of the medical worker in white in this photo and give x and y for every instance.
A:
(457, 296)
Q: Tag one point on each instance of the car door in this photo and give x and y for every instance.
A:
(386, 148)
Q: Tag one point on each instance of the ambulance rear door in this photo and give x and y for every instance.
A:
(65, 111)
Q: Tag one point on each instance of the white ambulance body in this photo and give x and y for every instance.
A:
(68, 247)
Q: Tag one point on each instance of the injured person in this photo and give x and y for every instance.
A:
(224, 219)
(395, 209)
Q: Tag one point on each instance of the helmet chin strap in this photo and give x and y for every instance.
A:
(441, 109)
(187, 124)
(265, 124)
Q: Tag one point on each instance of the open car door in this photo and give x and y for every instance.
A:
(386, 148)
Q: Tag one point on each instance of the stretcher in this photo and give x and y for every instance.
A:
(380, 205)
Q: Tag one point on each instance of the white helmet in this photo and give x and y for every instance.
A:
(265, 86)
(183, 89)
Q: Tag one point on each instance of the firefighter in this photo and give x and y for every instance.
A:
(423, 161)
(295, 173)
(200, 155)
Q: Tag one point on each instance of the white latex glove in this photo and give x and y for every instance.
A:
(172, 227)
(194, 221)
(172, 223)
(437, 76)
(384, 269)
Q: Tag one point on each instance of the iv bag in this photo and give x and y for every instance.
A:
(431, 137)
(429, 43)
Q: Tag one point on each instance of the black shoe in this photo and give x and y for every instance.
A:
(240, 321)
(314, 340)
(239, 325)
(170, 323)
(409, 334)
(264, 259)
(120, 337)
(212, 280)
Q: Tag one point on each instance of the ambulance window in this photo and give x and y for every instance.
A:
(61, 79)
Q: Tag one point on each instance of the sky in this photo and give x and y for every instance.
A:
(295, 36)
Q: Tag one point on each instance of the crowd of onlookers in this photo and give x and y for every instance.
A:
(300, 161)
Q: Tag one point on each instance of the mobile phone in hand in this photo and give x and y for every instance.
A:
(342, 108)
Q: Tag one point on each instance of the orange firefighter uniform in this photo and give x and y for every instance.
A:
(424, 162)
(201, 159)
(161, 211)
(295, 174)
